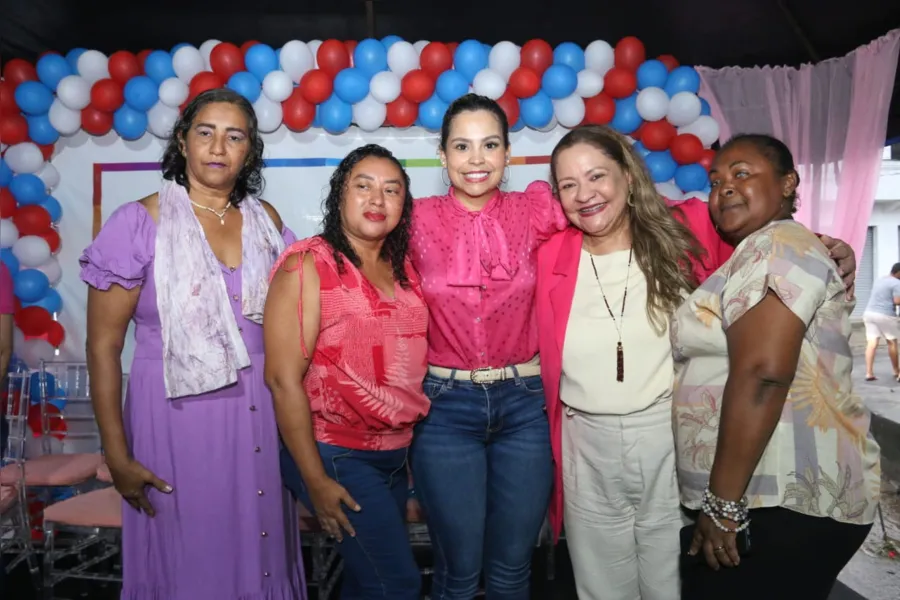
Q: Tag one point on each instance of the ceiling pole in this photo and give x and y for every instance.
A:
(798, 31)
(370, 18)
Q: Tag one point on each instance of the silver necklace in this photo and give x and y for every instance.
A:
(220, 214)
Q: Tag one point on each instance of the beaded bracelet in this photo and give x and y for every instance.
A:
(716, 508)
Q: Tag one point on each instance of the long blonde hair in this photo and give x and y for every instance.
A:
(662, 245)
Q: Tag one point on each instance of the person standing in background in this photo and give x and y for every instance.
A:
(881, 321)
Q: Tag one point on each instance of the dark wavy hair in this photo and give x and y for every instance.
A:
(174, 165)
(397, 242)
(472, 103)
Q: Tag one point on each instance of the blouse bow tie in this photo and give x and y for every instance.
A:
(481, 249)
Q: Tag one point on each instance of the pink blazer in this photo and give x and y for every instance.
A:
(557, 270)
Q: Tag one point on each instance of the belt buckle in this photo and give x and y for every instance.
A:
(476, 372)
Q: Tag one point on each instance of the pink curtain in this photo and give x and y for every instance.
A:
(833, 117)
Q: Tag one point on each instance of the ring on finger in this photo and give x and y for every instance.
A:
(718, 548)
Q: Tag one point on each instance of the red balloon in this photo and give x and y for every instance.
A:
(452, 46)
(96, 122)
(630, 53)
(51, 236)
(599, 110)
(524, 82)
(667, 59)
(123, 65)
(8, 99)
(510, 105)
(332, 57)
(417, 86)
(13, 129)
(56, 335)
(619, 82)
(658, 135)
(46, 150)
(107, 95)
(33, 320)
(707, 157)
(298, 114)
(686, 148)
(226, 59)
(537, 55)
(17, 70)
(247, 45)
(350, 45)
(32, 219)
(436, 58)
(401, 112)
(316, 86)
(142, 58)
(204, 81)
(7, 204)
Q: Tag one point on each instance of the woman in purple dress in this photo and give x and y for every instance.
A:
(194, 451)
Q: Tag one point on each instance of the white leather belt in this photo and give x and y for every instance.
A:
(487, 374)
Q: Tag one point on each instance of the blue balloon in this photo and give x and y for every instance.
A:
(72, 57)
(519, 126)
(33, 97)
(351, 85)
(682, 79)
(705, 108)
(488, 48)
(370, 57)
(158, 66)
(51, 68)
(261, 60)
(537, 111)
(9, 259)
(390, 40)
(51, 302)
(627, 119)
(41, 131)
(707, 188)
(317, 120)
(6, 173)
(141, 93)
(641, 149)
(469, 58)
(30, 285)
(691, 178)
(35, 389)
(27, 188)
(178, 47)
(53, 208)
(661, 165)
(569, 54)
(336, 115)
(451, 85)
(652, 73)
(246, 84)
(559, 81)
(431, 113)
(130, 124)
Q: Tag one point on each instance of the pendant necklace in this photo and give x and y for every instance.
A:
(220, 214)
(620, 354)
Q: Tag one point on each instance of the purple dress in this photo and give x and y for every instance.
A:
(228, 531)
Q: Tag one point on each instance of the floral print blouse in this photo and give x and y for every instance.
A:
(821, 459)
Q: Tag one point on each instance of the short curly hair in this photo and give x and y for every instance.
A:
(174, 165)
(777, 153)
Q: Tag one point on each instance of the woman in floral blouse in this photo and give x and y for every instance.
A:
(771, 440)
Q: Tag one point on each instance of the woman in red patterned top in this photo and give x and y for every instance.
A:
(345, 326)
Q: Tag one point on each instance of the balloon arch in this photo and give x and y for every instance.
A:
(330, 85)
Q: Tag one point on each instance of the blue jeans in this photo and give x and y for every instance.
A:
(378, 562)
(483, 472)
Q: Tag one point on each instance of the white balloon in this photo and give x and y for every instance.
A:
(489, 83)
(52, 270)
(74, 91)
(420, 45)
(296, 59)
(18, 338)
(24, 158)
(31, 250)
(206, 49)
(569, 111)
(684, 108)
(314, 50)
(277, 85)
(9, 233)
(402, 58)
(704, 127)
(35, 351)
(599, 56)
(669, 190)
(652, 104)
(504, 58)
(49, 175)
(590, 83)
(699, 195)
(93, 65)
(173, 92)
(385, 86)
(161, 120)
(187, 62)
(369, 114)
(65, 120)
(268, 114)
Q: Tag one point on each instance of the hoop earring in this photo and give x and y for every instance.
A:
(505, 178)
(630, 200)
(448, 182)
